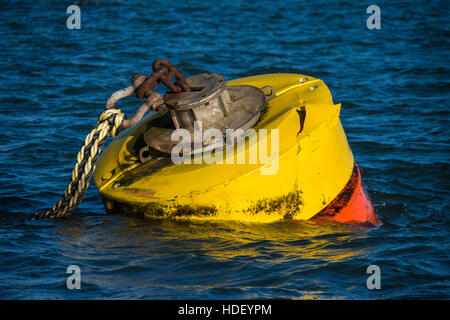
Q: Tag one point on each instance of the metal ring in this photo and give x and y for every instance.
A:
(272, 92)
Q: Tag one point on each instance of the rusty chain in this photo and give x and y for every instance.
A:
(143, 86)
(163, 71)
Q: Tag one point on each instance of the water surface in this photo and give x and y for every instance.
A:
(393, 84)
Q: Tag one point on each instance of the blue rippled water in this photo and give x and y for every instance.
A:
(393, 84)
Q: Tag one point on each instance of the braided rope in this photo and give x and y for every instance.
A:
(109, 123)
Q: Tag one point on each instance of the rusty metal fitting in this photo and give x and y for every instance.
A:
(138, 79)
(172, 71)
(153, 102)
(143, 86)
(149, 84)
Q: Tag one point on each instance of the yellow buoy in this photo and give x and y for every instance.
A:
(313, 164)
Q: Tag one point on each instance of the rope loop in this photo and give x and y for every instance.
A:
(115, 118)
(109, 123)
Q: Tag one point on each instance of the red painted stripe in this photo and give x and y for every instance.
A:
(352, 205)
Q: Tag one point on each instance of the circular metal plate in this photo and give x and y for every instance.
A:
(245, 108)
